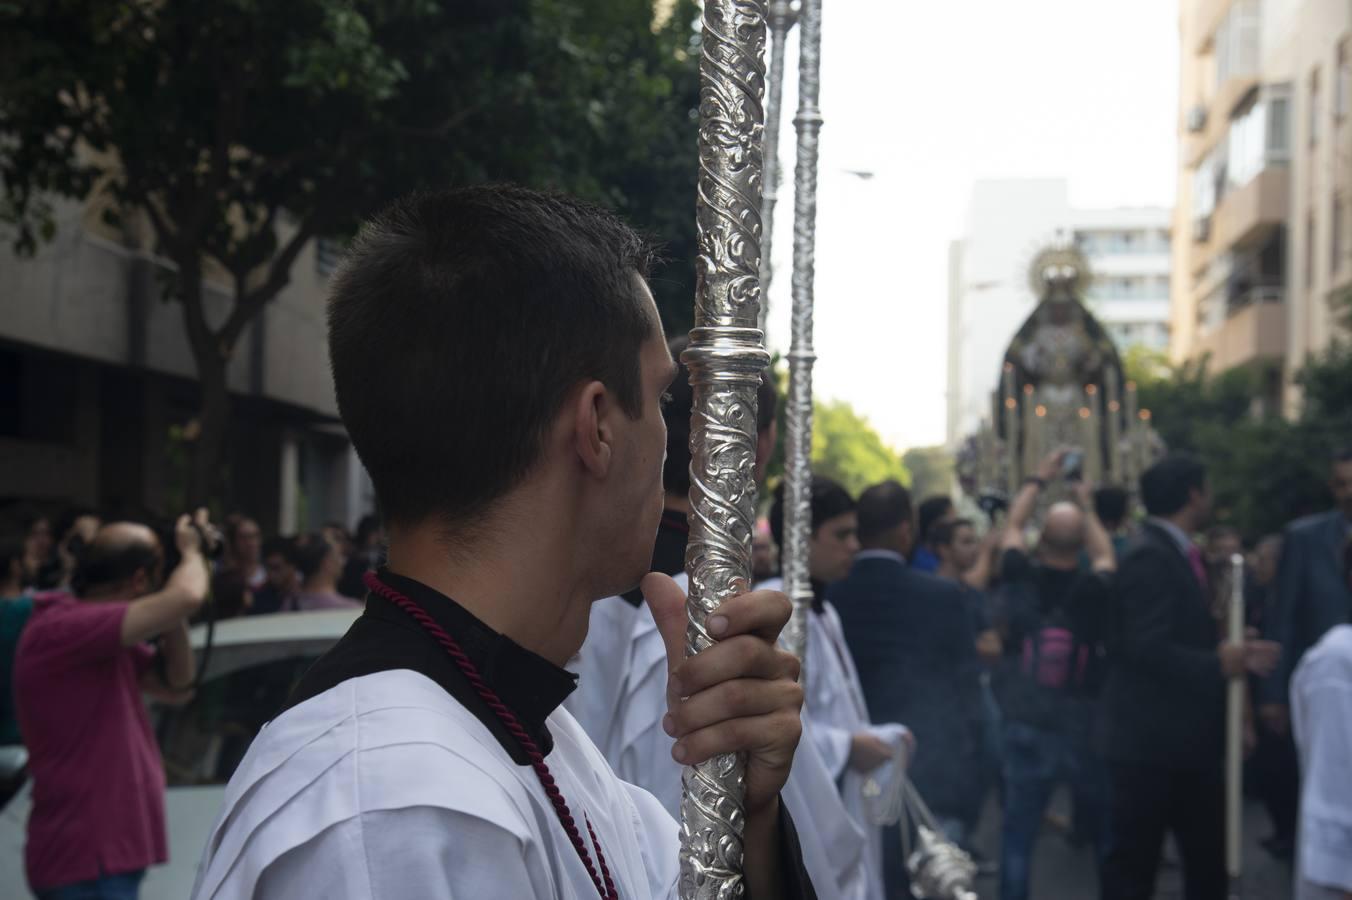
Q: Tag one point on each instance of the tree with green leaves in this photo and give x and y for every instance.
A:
(1265, 470)
(931, 471)
(846, 447)
(224, 135)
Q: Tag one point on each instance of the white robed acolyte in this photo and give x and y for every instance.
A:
(1321, 720)
(834, 706)
(325, 801)
(621, 701)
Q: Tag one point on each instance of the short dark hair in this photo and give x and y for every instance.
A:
(69, 516)
(1110, 505)
(11, 549)
(228, 589)
(308, 553)
(458, 323)
(829, 499)
(278, 546)
(1343, 454)
(932, 510)
(367, 525)
(104, 563)
(232, 524)
(943, 533)
(676, 412)
(1168, 484)
(882, 508)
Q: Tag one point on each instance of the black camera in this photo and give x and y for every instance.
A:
(993, 504)
(211, 541)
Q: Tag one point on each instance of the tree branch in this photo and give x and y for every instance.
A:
(248, 305)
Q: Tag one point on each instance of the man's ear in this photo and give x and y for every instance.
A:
(593, 427)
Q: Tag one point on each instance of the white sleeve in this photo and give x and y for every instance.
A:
(644, 757)
(659, 844)
(832, 741)
(833, 744)
(422, 851)
(1322, 717)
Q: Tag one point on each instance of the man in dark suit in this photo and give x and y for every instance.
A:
(1312, 593)
(912, 645)
(1165, 698)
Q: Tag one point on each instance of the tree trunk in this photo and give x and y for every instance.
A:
(214, 416)
(211, 356)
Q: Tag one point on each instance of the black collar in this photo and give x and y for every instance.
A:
(818, 596)
(384, 638)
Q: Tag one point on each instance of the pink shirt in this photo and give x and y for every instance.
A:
(98, 783)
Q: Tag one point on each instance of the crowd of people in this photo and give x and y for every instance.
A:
(513, 712)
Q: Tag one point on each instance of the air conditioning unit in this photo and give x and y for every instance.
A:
(1196, 118)
(1201, 229)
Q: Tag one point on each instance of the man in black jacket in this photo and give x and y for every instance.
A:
(1313, 588)
(1165, 698)
(912, 645)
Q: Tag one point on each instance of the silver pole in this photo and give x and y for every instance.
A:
(725, 359)
(1234, 734)
(782, 17)
(798, 445)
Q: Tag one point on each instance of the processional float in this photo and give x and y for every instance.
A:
(1061, 384)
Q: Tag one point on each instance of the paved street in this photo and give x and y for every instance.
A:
(1063, 872)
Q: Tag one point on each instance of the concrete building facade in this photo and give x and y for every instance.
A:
(1263, 222)
(98, 387)
(1008, 221)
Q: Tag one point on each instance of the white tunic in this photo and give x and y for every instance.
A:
(836, 708)
(386, 787)
(628, 724)
(1321, 720)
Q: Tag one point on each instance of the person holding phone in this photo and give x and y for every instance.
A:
(1052, 617)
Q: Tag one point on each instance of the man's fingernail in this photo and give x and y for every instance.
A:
(678, 753)
(717, 625)
(674, 684)
(669, 725)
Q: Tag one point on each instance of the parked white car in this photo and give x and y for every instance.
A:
(254, 664)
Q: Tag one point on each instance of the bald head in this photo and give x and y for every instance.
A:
(1063, 533)
(124, 560)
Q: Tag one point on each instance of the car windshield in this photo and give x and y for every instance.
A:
(203, 741)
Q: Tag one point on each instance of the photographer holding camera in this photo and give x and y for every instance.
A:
(81, 668)
(1052, 613)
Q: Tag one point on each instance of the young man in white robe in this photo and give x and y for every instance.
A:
(1321, 721)
(835, 715)
(621, 702)
(499, 367)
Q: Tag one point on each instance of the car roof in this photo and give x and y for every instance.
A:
(326, 625)
(257, 640)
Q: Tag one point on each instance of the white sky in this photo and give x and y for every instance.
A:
(930, 97)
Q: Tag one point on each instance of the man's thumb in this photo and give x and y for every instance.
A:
(666, 600)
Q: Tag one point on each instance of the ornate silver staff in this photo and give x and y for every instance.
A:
(782, 16)
(798, 445)
(1234, 735)
(725, 358)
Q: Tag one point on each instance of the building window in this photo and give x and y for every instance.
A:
(1313, 124)
(1257, 137)
(1237, 42)
(1342, 97)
